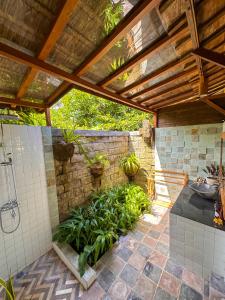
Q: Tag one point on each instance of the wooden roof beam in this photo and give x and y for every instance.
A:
(119, 31)
(17, 102)
(210, 56)
(145, 54)
(182, 96)
(171, 66)
(40, 65)
(126, 24)
(192, 24)
(57, 28)
(164, 93)
(213, 105)
(169, 80)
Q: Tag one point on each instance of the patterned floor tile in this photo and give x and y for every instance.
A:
(129, 275)
(217, 282)
(163, 295)
(161, 247)
(154, 234)
(153, 272)
(145, 288)
(164, 238)
(193, 280)
(137, 235)
(116, 265)
(157, 259)
(144, 251)
(124, 253)
(105, 279)
(143, 228)
(133, 296)
(215, 295)
(174, 269)
(170, 284)
(95, 292)
(137, 261)
(119, 290)
(149, 242)
(187, 293)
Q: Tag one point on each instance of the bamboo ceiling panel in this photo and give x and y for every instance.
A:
(134, 52)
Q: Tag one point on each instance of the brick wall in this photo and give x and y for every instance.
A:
(188, 149)
(73, 180)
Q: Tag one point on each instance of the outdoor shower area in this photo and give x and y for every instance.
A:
(108, 214)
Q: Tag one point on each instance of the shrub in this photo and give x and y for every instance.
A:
(92, 230)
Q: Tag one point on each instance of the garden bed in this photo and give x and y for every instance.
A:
(93, 229)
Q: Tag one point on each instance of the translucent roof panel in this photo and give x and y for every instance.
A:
(147, 31)
(146, 67)
(11, 76)
(42, 87)
(27, 22)
(90, 23)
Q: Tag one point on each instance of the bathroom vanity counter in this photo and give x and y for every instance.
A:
(194, 241)
(193, 207)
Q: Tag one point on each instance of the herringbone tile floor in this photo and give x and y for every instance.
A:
(46, 279)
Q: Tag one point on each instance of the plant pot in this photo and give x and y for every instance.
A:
(212, 180)
(97, 169)
(63, 151)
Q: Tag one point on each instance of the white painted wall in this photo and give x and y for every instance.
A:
(33, 237)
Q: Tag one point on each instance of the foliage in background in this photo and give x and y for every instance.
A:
(79, 110)
(112, 15)
(9, 289)
(93, 229)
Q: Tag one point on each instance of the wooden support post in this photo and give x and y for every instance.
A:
(48, 117)
(155, 120)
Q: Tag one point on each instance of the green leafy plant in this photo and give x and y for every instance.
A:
(112, 14)
(92, 230)
(130, 165)
(99, 158)
(9, 289)
(116, 64)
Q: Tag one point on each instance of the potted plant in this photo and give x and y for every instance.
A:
(9, 289)
(130, 165)
(213, 173)
(64, 149)
(97, 164)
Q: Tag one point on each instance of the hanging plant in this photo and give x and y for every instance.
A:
(130, 165)
(64, 150)
(97, 164)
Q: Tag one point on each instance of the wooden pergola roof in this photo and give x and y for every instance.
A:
(161, 52)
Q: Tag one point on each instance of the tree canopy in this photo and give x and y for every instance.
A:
(80, 110)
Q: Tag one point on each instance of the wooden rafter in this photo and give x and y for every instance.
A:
(170, 67)
(32, 62)
(49, 43)
(18, 102)
(215, 97)
(164, 93)
(210, 56)
(213, 105)
(169, 80)
(120, 30)
(187, 95)
(145, 54)
(127, 23)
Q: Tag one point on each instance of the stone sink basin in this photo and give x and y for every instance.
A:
(205, 191)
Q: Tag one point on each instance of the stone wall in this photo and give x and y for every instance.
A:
(145, 153)
(73, 179)
(188, 149)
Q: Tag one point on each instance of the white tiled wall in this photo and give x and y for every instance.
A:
(33, 236)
